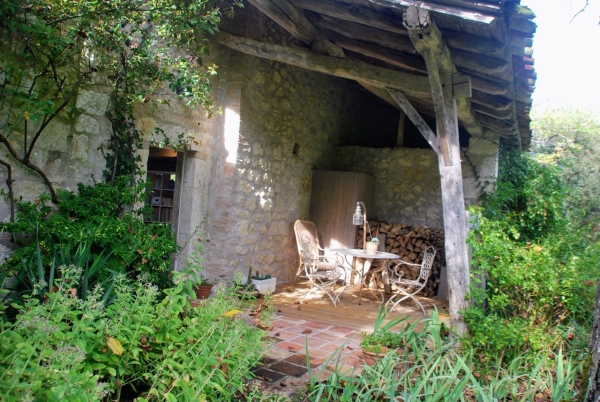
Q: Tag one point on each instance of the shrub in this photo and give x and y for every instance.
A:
(95, 218)
(539, 268)
(70, 349)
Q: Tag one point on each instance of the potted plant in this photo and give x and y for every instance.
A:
(201, 285)
(244, 287)
(198, 283)
(372, 246)
(383, 339)
(264, 283)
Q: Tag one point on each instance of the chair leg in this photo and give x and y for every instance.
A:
(300, 269)
(322, 287)
(407, 295)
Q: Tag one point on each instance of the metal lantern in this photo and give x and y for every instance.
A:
(357, 218)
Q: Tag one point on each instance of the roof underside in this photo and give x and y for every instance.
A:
(489, 41)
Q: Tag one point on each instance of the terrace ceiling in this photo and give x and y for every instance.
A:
(488, 42)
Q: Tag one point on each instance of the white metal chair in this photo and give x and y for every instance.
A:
(408, 288)
(308, 229)
(322, 273)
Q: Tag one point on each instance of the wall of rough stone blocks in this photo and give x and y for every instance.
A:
(407, 184)
(67, 151)
(290, 121)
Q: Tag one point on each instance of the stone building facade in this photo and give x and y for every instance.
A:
(248, 178)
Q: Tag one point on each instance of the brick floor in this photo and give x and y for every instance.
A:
(283, 365)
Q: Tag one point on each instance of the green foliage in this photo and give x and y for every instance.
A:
(540, 269)
(135, 50)
(528, 198)
(71, 349)
(568, 138)
(95, 221)
(431, 368)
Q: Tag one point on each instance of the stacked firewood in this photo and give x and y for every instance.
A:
(409, 242)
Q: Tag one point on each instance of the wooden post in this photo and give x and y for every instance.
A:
(428, 41)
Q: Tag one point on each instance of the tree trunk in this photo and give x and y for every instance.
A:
(593, 390)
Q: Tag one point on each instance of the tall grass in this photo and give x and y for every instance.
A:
(429, 368)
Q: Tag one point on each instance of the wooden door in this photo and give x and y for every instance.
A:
(332, 204)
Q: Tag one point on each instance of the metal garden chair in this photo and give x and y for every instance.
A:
(322, 273)
(408, 288)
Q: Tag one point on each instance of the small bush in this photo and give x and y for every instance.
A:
(70, 349)
(95, 218)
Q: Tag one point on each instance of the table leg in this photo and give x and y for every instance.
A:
(386, 278)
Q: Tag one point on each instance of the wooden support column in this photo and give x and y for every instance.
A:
(428, 41)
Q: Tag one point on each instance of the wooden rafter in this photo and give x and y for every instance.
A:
(344, 68)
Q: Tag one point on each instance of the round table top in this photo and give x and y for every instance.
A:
(359, 252)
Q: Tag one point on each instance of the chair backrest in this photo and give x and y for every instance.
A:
(427, 264)
(306, 229)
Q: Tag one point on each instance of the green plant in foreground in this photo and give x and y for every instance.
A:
(157, 349)
(431, 369)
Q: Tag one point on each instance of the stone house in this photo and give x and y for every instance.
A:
(287, 113)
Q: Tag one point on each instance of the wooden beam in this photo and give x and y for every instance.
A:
(428, 41)
(344, 68)
(379, 92)
(352, 13)
(287, 18)
(416, 118)
(496, 102)
(489, 87)
(403, 60)
(385, 39)
(401, 121)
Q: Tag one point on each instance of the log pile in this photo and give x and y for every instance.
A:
(409, 242)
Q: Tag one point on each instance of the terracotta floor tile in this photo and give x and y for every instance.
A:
(301, 329)
(312, 342)
(288, 369)
(300, 360)
(268, 375)
(282, 323)
(276, 354)
(326, 336)
(285, 335)
(312, 352)
(341, 330)
(316, 325)
(330, 347)
(290, 347)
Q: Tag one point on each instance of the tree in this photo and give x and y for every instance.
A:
(569, 139)
(136, 50)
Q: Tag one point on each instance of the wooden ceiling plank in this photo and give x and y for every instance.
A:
(472, 43)
(295, 28)
(416, 118)
(409, 61)
(344, 68)
(490, 87)
(453, 11)
(352, 13)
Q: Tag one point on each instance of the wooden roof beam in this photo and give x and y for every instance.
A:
(416, 118)
(339, 67)
(289, 18)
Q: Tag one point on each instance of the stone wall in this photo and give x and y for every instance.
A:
(407, 183)
(290, 120)
(67, 151)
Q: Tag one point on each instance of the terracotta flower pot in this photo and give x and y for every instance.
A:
(202, 292)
